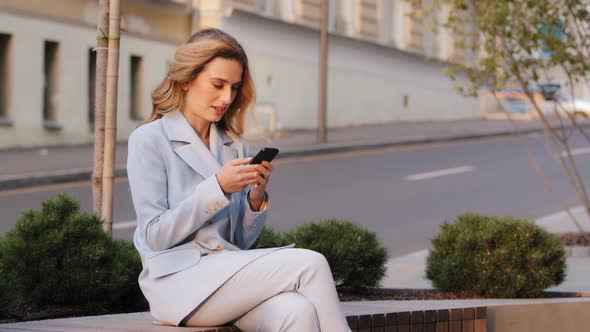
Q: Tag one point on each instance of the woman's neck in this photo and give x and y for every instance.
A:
(200, 126)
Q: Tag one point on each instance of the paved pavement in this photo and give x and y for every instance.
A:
(22, 168)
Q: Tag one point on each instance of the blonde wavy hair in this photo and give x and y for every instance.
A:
(189, 60)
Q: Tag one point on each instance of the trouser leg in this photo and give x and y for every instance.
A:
(287, 270)
(285, 312)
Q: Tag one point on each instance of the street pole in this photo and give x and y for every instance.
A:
(323, 73)
(99, 103)
(111, 115)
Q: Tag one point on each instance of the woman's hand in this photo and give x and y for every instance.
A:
(256, 197)
(236, 174)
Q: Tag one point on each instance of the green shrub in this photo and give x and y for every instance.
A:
(495, 257)
(7, 297)
(59, 256)
(269, 238)
(355, 256)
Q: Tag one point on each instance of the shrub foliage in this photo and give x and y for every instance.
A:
(355, 255)
(269, 238)
(59, 256)
(495, 257)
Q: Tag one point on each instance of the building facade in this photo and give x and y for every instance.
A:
(377, 71)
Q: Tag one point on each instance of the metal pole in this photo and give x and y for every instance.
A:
(323, 72)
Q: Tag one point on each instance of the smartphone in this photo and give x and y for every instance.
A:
(267, 154)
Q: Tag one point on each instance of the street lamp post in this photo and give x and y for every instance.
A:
(323, 73)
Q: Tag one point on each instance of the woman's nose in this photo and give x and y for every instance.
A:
(226, 96)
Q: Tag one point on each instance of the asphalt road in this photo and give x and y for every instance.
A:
(402, 194)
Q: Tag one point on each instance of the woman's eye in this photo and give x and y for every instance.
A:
(218, 86)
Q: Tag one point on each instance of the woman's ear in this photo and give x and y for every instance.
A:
(184, 86)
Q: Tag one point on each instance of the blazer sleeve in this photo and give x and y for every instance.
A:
(252, 222)
(161, 227)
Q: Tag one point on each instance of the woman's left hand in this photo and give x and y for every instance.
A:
(257, 192)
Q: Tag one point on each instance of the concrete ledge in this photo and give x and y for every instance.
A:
(494, 315)
(502, 315)
(443, 320)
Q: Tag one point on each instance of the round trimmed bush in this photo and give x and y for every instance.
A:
(7, 296)
(59, 256)
(268, 238)
(495, 257)
(356, 257)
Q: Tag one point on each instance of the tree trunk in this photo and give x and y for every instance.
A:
(111, 115)
(99, 104)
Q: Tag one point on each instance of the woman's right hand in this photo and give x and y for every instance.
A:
(236, 174)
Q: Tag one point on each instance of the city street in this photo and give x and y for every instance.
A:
(402, 193)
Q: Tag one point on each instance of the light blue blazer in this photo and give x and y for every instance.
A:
(175, 192)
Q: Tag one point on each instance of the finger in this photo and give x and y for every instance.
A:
(250, 178)
(247, 177)
(265, 172)
(261, 181)
(267, 165)
(248, 169)
(239, 161)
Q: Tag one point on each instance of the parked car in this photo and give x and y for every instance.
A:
(555, 95)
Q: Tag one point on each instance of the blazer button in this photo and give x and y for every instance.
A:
(220, 247)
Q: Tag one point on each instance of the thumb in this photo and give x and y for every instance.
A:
(239, 161)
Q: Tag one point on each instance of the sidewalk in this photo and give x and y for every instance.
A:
(30, 167)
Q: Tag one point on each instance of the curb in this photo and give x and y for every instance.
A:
(73, 175)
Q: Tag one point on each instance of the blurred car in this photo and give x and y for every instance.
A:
(555, 95)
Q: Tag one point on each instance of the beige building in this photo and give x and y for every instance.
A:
(376, 67)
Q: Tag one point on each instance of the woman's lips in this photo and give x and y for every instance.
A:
(219, 110)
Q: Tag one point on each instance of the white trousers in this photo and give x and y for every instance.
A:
(286, 290)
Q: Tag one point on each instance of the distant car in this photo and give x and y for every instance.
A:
(578, 107)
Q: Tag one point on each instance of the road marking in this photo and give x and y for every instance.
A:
(577, 151)
(125, 224)
(442, 172)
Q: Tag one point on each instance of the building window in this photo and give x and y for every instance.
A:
(136, 88)
(245, 5)
(5, 79)
(415, 30)
(309, 12)
(91, 86)
(368, 18)
(50, 85)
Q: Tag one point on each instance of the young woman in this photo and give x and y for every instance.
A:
(200, 206)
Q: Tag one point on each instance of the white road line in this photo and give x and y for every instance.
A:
(125, 224)
(577, 151)
(442, 172)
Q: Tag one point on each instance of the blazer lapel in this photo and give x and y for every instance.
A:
(188, 145)
(222, 147)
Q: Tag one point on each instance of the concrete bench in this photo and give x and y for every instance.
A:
(493, 315)
(470, 319)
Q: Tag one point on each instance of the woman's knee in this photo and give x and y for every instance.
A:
(312, 258)
(296, 312)
(285, 312)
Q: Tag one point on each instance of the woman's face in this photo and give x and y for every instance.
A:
(211, 93)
